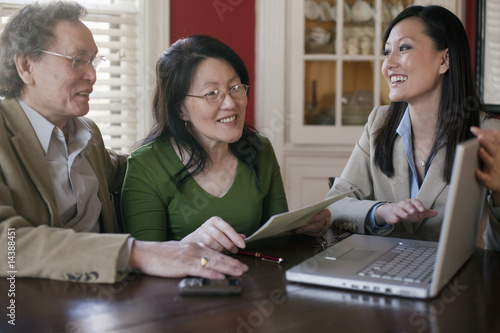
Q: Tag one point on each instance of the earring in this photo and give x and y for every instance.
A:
(186, 124)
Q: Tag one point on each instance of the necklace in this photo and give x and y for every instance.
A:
(422, 161)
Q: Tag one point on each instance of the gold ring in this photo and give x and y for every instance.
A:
(203, 261)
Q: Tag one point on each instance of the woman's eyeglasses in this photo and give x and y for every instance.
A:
(217, 96)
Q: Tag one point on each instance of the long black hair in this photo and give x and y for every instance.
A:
(460, 105)
(174, 72)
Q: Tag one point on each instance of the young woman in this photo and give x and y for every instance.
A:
(402, 164)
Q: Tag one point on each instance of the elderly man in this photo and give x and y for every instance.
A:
(57, 218)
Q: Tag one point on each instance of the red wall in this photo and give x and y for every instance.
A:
(231, 21)
(470, 27)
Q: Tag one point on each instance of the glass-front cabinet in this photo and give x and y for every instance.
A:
(335, 56)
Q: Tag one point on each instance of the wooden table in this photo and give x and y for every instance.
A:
(470, 303)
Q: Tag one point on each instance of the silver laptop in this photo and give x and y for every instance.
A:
(375, 264)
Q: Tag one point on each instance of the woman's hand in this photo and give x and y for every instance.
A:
(410, 210)
(177, 259)
(489, 153)
(317, 225)
(218, 235)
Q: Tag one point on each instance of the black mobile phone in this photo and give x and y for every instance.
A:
(194, 286)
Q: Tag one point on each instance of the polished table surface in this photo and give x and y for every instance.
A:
(470, 303)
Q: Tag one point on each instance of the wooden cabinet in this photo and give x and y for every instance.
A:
(335, 57)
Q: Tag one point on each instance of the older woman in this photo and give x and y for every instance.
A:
(202, 174)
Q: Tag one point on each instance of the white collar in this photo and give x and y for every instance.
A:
(44, 128)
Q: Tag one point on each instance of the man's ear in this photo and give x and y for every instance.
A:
(24, 66)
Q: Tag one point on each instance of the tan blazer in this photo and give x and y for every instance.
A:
(374, 186)
(43, 248)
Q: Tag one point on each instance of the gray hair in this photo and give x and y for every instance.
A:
(28, 32)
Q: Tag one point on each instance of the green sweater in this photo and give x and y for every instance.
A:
(153, 209)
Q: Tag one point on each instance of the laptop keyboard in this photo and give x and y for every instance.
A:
(405, 262)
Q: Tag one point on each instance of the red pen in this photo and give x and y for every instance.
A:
(263, 257)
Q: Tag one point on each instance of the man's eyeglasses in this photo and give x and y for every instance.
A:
(217, 96)
(80, 62)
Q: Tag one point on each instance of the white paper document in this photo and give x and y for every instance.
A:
(286, 222)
